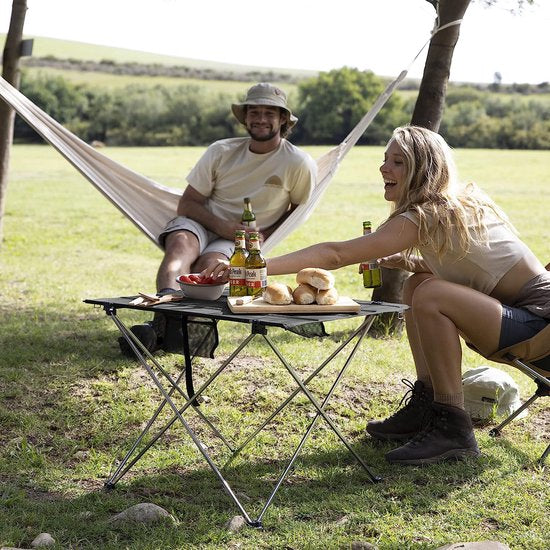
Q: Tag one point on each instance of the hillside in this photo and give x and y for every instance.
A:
(70, 50)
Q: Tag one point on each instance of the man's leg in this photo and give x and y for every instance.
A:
(181, 251)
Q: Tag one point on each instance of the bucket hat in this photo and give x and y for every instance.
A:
(490, 392)
(264, 94)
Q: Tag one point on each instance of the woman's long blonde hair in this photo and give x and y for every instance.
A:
(447, 212)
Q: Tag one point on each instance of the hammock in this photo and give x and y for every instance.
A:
(150, 205)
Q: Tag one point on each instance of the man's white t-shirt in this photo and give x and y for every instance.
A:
(228, 172)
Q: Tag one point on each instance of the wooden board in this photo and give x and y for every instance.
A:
(343, 305)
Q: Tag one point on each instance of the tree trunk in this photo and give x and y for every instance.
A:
(430, 103)
(10, 73)
(428, 111)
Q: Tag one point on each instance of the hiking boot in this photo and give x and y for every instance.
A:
(146, 334)
(449, 435)
(151, 334)
(407, 421)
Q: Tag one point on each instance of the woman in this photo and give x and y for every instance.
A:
(473, 277)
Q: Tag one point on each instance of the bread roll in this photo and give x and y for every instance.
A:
(278, 294)
(304, 294)
(317, 277)
(327, 297)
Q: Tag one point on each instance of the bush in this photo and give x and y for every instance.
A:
(329, 106)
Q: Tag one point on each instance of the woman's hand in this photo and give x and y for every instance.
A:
(217, 269)
(395, 261)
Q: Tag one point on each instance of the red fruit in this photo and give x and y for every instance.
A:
(195, 278)
(184, 279)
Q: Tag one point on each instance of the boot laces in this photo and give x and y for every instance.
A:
(436, 420)
(410, 399)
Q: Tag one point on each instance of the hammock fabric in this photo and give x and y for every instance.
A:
(150, 205)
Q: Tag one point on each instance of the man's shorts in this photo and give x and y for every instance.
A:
(519, 324)
(208, 241)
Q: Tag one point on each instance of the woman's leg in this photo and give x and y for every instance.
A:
(409, 288)
(442, 311)
(409, 419)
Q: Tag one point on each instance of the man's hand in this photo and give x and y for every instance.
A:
(217, 270)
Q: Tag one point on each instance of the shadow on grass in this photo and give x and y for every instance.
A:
(320, 486)
(37, 339)
(44, 360)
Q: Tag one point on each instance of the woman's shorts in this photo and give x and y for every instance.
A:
(519, 324)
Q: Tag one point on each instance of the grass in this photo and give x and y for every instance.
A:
(70, 404)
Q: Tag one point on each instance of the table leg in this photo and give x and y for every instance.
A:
(362, 329)
(141, 352)
(320, 412)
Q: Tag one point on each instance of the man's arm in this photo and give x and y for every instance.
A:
(192, 204)
(547, 267)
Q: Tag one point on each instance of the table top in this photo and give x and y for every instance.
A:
(219, 309)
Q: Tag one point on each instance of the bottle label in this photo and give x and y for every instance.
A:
(256, 278)
(251, 224)
(237, 276)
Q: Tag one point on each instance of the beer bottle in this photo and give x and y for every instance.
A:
(237, 272)
(248, 218)
(372, 272)
(256, 270)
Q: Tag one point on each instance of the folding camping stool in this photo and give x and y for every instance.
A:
(532, 357)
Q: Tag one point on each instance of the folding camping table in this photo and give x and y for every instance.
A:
(219, 310)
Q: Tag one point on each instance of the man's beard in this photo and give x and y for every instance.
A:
(263, 137)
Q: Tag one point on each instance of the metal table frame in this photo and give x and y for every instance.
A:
(219, 310)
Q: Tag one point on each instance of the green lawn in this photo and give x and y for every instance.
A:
(70, 404)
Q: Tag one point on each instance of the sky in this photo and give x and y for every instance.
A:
(383, 36)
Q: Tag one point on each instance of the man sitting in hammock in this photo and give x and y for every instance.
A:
(276, 175)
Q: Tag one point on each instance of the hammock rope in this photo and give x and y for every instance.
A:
(150, 205)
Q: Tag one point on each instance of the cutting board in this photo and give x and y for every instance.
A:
(259, 305)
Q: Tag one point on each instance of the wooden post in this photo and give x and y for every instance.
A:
(10, 73)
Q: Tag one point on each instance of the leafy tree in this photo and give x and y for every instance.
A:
(62, 100)
(331, 104)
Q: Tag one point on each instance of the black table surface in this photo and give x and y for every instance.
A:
(219, 309)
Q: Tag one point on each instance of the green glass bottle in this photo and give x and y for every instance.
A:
(237, 266)
(372, 272)
(256, 267)
(248, 218)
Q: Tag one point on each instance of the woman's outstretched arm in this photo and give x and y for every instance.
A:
(396, 235)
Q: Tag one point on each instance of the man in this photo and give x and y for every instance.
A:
(276, 175)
